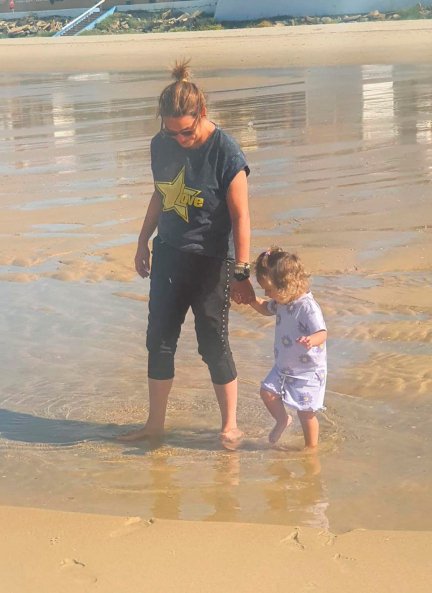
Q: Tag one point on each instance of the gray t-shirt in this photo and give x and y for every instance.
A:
(193, 184)
(301, 317)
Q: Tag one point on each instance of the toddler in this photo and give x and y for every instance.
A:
(298, 377)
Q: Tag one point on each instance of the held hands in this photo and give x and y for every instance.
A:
(242, 292)
(142, 261)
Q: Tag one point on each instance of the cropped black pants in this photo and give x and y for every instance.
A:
(181, 280)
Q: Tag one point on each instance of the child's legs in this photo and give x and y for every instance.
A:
(310, 425)
(275, 406)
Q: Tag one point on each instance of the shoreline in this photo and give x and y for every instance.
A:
(72, 551)
(305, 45)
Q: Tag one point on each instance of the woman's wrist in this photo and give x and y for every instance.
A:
(241, 271)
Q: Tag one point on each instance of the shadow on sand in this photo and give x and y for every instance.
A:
(27, 428)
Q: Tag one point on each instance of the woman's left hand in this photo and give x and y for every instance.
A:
(242, 292)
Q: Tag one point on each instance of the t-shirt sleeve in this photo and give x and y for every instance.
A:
(154, 152)
(233, 163)
(236, 164)
(311, 319)
(271, 307)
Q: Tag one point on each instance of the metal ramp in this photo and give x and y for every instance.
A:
(82, 22)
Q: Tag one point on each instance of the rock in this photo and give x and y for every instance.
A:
(396, 17)
(16, 30)
(376, 15)
(326, 20)
(311, 20)
(262, 24)
(351, 18)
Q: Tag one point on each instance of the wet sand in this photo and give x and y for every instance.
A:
(340, 158)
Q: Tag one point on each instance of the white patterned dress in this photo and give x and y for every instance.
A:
(299, 375)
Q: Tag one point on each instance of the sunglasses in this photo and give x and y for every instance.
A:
(185, 133)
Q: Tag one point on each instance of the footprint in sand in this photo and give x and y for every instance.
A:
(345, 562)
(327, 538)
(77, 571)
(293, 539)
(131, 525)
(342, 557)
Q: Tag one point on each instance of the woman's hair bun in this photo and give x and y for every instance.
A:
(181, 71)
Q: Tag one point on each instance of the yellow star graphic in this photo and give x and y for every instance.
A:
(176, 196)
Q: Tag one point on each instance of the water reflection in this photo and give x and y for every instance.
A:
(379, 105)
(69, 121)
(223, 497)
(303, 492)
(159, 480)
(68, 124)
(232, 487)
(166, 491)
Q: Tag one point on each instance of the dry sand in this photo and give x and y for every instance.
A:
(317, 45)
(79, 553)
(76, 553)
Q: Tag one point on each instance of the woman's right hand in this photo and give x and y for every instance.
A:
(142, 260)
(242, 292)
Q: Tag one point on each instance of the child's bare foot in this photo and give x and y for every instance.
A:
(278, 429)
(145, 433)
(231, 439)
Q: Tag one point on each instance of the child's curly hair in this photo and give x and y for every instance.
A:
(284, 271)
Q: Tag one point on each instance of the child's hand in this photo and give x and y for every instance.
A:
(305, 341)
(260, 305)
(315, 339)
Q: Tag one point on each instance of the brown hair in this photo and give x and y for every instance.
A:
(284, 271)
(181, 97)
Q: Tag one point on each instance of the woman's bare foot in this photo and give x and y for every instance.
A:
(141, 434)
(231, 439)
(279, 428)
(310, 450)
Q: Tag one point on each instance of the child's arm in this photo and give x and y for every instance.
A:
(260, 305)
(315, 339)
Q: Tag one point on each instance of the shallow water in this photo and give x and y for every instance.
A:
(341, 167)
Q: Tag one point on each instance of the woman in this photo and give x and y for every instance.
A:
(200, 208)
